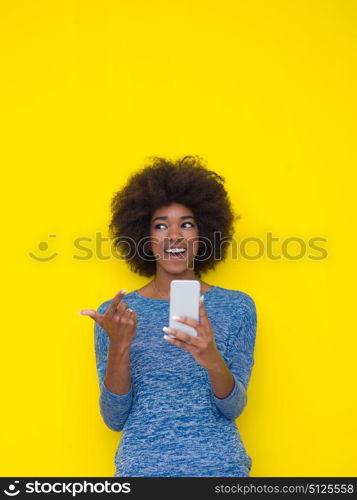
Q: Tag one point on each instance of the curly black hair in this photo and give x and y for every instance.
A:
(186, 181)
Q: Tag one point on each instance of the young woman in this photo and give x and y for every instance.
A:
(176, 400)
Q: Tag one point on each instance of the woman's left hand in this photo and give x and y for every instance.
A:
(202, 347)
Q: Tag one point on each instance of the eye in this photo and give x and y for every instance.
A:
(162, 224)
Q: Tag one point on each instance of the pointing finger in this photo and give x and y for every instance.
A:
(114, 303)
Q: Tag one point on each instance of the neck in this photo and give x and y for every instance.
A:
(163, 280)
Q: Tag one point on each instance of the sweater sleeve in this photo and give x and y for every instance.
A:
(240, 360)
(114, 408)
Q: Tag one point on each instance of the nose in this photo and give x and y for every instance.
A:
(175, 233)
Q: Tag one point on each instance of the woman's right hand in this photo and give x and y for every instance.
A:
(119, 321)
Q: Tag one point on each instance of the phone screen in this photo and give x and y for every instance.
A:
(184, 301)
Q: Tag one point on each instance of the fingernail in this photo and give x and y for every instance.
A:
(85, 312)
(202, 298)
(167, 330)
(166, 337)
(130, 309)
(176, 317)
(122, 291)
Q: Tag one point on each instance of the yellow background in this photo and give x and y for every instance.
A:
(266, 93)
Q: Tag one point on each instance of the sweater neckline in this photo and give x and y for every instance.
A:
(167, 300)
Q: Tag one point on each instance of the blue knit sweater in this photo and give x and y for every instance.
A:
(172, 423)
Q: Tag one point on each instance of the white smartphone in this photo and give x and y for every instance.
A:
(184, 301)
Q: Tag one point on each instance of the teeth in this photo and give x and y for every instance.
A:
(175, 250)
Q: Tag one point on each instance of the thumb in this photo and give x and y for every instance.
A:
(89, 312)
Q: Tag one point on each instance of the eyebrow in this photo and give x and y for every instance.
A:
(182, 217)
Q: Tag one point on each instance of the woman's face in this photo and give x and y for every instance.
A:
(174, 225)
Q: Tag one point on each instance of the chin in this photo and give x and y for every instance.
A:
(175, 268)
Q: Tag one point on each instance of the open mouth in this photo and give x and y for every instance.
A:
(174, 253)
